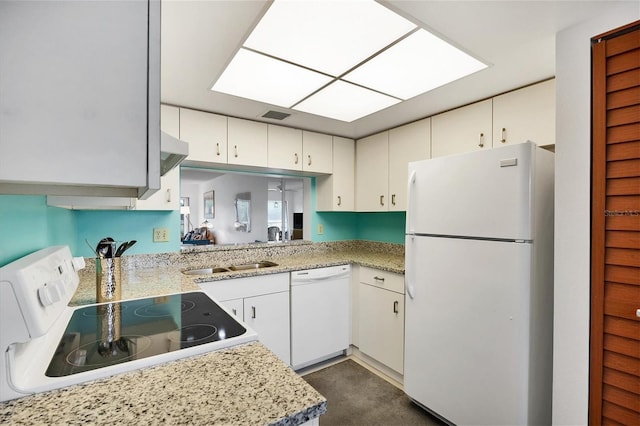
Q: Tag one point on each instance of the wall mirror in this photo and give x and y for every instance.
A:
(249, 207)
(243, 212)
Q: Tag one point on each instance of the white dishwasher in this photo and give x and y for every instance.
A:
(320, 313)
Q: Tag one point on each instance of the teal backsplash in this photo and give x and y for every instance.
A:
(27, 224)
(127, 225)
(384, 227)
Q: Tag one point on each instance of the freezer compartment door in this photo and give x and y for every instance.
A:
(481, 194)
(467, 329)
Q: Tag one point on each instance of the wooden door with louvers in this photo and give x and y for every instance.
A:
(614, 389)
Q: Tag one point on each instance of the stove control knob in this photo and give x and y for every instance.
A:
(78, 263)
(49, 293)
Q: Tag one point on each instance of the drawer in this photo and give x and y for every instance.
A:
(382, 279)
(237, 288)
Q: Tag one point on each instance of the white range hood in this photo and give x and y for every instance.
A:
(172, 152)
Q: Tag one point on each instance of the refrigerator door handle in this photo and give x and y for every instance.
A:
(410, 187)
(408, 268)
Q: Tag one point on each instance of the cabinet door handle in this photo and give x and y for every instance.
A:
(382, 200)
(218, 148)
(296, 158)
(309, 162)
(481, 143)
(253, 312)
(339, 200)
(395, 307)
(234, 311)
(168, 195)
(504, 135)
(235, 147)
(393, 199)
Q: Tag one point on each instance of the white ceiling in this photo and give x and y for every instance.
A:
(517, 38)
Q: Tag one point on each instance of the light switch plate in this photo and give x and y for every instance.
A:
(320, 229)
(160, 235)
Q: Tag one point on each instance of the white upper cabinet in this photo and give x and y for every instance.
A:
(335, 192)
(294, 149)
(382, 163)
(170, 120)
(206, 135)
(525, 114)
(168, 196)
(411, 142)
(285, 148)
(80, 98)
(464, 129)
(247, 142)
(372, 173)
(317, 152)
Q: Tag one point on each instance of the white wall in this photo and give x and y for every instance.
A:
(572, 206)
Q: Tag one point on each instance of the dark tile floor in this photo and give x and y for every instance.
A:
(356, 396)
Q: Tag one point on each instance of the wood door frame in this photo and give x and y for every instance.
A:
(598, 182)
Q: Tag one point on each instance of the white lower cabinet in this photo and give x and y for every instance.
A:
(262, 303)
(236, 306)
(381, 317)
(268, 315)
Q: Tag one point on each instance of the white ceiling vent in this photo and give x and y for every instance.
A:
(275, 115)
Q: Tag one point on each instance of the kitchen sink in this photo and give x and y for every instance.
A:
(204, 271)
(256, 265)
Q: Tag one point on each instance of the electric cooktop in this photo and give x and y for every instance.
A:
(114, 333)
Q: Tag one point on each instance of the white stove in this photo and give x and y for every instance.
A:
(46, 344)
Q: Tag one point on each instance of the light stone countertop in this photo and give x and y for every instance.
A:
(152, 275)
(246, 384)
(242, 385)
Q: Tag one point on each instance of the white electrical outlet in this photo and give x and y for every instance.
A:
(160, 235)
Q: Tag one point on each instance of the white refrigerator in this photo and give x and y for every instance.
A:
(479, 286)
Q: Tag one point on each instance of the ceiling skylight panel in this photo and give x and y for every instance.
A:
(254, 76)
(415, 65)
(327, 35)
(345, 101)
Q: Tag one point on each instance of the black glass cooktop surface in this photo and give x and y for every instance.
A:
(112, 333)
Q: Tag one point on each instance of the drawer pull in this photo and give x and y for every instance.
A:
(395, 307)
(378, 278)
